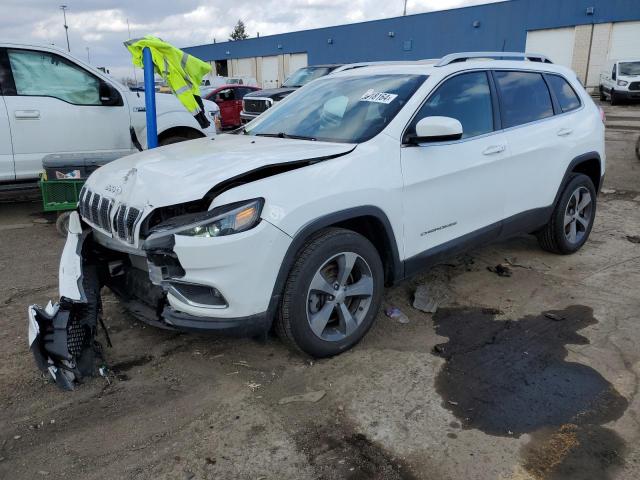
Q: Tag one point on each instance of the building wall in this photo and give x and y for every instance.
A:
(500, 26)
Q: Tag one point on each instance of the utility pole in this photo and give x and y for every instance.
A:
(135, 78)
(88, 57)
(66, 27)
(404, 13)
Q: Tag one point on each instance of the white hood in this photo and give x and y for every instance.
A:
(186, 171)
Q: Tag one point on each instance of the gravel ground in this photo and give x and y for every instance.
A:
(533, 376)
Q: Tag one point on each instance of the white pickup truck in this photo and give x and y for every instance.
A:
(620, 81)
(53, 103)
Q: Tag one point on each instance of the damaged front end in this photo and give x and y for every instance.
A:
(62, 334)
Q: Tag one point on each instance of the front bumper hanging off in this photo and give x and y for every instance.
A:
(62, 334)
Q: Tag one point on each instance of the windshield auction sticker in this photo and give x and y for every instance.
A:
(377, 97)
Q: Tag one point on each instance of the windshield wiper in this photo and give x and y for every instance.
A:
(285, 135)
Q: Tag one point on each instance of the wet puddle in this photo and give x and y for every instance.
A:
(509, 377)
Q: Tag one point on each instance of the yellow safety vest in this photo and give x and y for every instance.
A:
(183, 72)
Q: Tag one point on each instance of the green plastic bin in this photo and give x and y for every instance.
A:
(60, 195)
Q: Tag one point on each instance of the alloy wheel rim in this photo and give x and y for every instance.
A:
(577, 215)
(339, 296)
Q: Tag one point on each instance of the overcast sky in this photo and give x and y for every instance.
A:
(101, 25)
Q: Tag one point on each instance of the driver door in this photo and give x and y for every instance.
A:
(56, 106)
(452, 193)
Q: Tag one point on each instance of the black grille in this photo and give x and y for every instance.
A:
(634, 86)
(105, 214)
(125, 222)
(95, 204)
(76, 336)
(255, 105)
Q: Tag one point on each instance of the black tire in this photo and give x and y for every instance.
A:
(554, 237)
(614, 98)
(170, 139)
(293, 326)
(603, 97)
(638, 148)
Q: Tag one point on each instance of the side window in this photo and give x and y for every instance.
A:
(524, 98)
(225, 95)
(48, 75)
(566, 95)
(465, 97)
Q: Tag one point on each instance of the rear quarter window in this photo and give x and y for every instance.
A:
(565, 94)
(524, 97)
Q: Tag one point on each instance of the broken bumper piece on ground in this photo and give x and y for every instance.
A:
(61, 335)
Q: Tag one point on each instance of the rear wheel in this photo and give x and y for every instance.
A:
(332, 294)
(177, 138)
(572, 218)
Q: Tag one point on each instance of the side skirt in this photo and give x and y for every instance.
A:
(525, 222)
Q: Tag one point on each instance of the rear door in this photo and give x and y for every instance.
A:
(55, 106)
(539, 142)
(7, 171)
(453, 193)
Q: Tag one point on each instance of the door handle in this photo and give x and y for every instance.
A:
(493, 149)
(563, 132)
(23, 114)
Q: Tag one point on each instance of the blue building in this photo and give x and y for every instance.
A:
(582, 34)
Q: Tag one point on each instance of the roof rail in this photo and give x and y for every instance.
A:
(464, 56)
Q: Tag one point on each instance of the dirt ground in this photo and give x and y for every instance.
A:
(533, 376)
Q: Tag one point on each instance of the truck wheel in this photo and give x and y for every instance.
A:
(572, 218)
(638, 148)
(177, 138)
(332, 294)
(614, 98)
(62, 223)
(603, 97)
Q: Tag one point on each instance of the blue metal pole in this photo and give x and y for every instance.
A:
(150, 99)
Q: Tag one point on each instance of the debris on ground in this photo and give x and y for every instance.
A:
(608, 191)
(305, 397)
(502, 270)
(513, 262)
(429, 296)
(633, 238)
(396, 314)
(253, 386)
(553, 316)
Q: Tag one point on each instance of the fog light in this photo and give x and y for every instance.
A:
(198, 295)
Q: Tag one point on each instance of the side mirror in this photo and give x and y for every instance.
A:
(436, 129)
(109, 95)
(614, 75)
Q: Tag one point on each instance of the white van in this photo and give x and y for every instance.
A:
(620, 81)
(53, 103)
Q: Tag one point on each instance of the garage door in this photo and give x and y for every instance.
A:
(270, 72)
(625, 40)
(296, 61)
(246, 67)
(556, 43)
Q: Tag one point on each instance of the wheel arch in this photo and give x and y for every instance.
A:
(369, 221)
(589, 164)
(184, 131)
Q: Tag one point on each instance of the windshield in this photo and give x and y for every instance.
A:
(339, 109)
(630, 68)
(305, 75)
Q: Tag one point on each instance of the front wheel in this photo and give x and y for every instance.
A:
(603, 97)
(572, 218)
(332, 294)
(614, 97)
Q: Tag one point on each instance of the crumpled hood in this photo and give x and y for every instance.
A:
(186, 171)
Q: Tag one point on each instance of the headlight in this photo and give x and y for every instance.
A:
(227, 220)
(622, 83)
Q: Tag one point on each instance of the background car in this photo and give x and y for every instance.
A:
(229, 100)
(54, 103)
(258, 102)
(621, 81)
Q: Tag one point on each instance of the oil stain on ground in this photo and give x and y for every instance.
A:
(507, 377)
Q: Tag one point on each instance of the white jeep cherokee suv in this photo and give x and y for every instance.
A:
(54, 103)
(353, 182)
